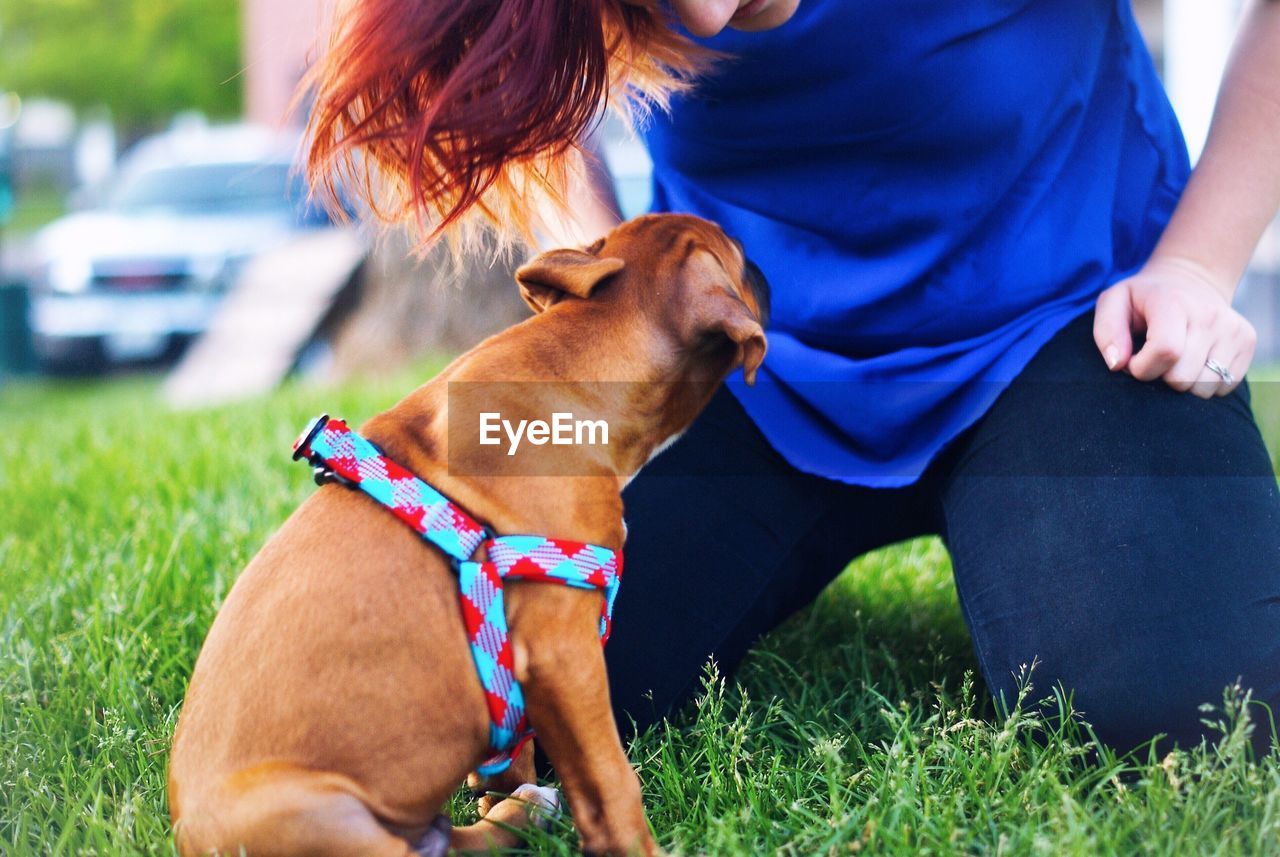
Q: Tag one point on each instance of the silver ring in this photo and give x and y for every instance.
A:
(1216, 368)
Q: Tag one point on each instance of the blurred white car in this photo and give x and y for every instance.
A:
(139, 276)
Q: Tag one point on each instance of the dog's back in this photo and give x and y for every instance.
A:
(338, 649)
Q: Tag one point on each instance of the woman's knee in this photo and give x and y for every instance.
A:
(1129, 691)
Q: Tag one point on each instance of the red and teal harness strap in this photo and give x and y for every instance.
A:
(340, 455)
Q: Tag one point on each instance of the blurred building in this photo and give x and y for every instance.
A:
(281, 37)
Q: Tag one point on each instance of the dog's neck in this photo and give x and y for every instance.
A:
(571, 355)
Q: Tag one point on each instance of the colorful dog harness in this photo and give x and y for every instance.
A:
(340, 455)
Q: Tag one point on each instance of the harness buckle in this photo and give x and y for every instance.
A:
(302, 446)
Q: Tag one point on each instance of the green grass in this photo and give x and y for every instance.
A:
(856, 727)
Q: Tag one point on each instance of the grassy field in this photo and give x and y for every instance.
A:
(855, 728)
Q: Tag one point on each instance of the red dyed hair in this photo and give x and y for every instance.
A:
(459, 113)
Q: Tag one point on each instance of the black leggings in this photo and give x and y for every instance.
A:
(1123, 535)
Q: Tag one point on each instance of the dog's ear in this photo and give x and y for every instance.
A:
(723, 311)
(742, 328)
(550, 276)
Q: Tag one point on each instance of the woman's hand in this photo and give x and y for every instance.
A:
(1187, 320)
(1181, 299)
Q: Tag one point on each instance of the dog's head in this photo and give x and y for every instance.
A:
(681, 271)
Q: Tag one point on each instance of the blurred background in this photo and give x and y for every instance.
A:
(150, 220)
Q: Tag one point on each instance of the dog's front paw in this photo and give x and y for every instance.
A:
(544, 803)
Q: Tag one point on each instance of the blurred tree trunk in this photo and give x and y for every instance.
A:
(409, 308)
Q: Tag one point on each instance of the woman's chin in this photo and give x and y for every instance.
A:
(773, 15)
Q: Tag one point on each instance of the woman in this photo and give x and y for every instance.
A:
(1001, 313)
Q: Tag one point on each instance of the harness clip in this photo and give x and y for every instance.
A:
(302, 446)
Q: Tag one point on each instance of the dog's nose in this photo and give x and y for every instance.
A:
(759, 286)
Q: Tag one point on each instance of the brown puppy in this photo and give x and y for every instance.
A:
(335, 707)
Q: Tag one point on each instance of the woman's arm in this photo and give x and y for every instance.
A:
(1181, 299)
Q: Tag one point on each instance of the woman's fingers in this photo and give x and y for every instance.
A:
(1190, 373)
(1245, 338)
(1237, 367)
(1166, 324)
(1213, 384)
(1186, 320)
(1234, 353)
(1231, 350)
(1113, 325)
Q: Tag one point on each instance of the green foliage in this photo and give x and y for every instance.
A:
(35, 206)
(143, 59)
(855, 728)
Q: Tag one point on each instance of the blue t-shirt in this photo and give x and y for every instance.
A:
(933, 189)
